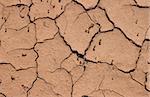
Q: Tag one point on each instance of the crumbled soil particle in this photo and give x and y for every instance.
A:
(131, 19)
(42, 89)
(22, 58)
(52, 52)
(74, 48)
(45, 29)
(18, 39)
(47, 8)
(114, 48)
(13, 80)
(17, 15)
(99, 16)
(72, 62)
(76, 23)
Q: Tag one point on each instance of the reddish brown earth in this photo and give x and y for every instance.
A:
(74, 48)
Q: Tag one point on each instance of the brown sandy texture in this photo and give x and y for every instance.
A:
(74, 48)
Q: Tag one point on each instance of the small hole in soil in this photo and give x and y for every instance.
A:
(0, 81)
(59, 1)
(54, 6)
(28, 29)
(100, 42)
(136, 21)
(5, 20)
(22, 16)
(80, 62)
(24, 87)
(61, 7)
(94, 48)
(12, 78)
(84, 67)
(86, 31)
(23, 55)
(5, 30)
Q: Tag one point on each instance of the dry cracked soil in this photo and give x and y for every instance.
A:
(74, 48)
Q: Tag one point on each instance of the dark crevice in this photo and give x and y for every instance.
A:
(5, 20)
(84, 7)
(132, 70)
(135, 80)
(146, 81)
(57, 16)
(118, 28)
(29, 12)
(73, 51)
(36, 58)
(5, 63)
(3, 94)
(24, 68)
(73, 84)
(139, 6)
(65, 59)
(86, 10)
(17, 5)
(107, 16)
(137, 45)
(31, 86)
(82, 56)
(140, 52)
(91, 42)
(50, 85)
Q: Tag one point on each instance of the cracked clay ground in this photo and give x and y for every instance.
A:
(74, 48)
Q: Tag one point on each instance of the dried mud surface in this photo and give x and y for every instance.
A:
(74, 48)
